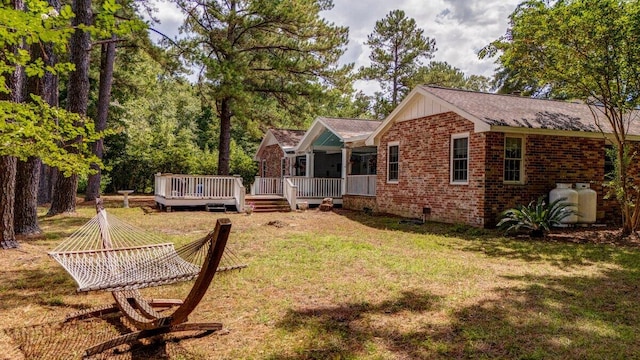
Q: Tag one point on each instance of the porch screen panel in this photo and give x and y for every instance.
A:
(460, 159)
(513, 159)
(393, 163)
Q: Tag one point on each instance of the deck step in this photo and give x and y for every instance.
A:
(268, 204)
(215, 207)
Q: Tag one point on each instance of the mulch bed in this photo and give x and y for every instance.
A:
(594, 235)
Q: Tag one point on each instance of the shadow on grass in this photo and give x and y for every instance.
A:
(338, 330)
(545, 317)
(65, 225)
(55, 340)
(562, 255)
(58, 340)
(34, 285)
(493, 243)
(396, 223)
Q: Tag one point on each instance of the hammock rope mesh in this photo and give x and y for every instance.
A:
(110, 255)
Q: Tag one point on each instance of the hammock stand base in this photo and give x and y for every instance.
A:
(158, 305)
(144, 334)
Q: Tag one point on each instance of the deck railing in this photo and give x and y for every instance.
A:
(290, 192)
(178, 186)
(239, 193)
(361, 185)
(267, 186)
(317, 187)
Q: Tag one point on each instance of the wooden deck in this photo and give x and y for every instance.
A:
(198, 190)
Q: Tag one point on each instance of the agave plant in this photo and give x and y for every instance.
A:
(537, 217)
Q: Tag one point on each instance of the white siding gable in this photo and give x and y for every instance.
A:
(421, 106)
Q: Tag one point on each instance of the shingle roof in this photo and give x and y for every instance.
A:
(351, 128)
(524, 112)
(287, 137)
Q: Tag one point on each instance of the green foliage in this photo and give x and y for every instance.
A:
(242, 164)
(572, 49)
(83, 181)
(398, 48)
(39, 24)
(164, 128)
(58, 137)
(537, 217)
(443, 74)
(614, 183)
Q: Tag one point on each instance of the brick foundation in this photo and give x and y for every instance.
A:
(359, 203)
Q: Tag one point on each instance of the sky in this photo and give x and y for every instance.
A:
(460, 28)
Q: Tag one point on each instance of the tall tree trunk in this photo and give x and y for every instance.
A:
(28, 172)
(44, 195)
(64, 197)
(8, 164)
(7, 198)
(108, 57)
(224, 146)
(26, 202)
(48, 175)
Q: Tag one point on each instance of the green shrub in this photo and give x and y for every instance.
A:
(537, 217)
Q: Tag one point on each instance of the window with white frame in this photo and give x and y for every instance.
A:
(513, 159)
(283, 166)
(264, 168)
(460, 158)
(393, 162)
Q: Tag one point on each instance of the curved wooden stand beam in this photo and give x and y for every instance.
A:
(98, 311)
(218, 238)
(142, 314)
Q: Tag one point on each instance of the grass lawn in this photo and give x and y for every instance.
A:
(344, 285)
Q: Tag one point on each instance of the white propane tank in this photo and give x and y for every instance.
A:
(587, 203)
(571, 196)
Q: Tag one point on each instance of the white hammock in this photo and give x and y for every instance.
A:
(111, 255)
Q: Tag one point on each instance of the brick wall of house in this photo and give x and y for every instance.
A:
(548, 160)
(424, 178)
(273, 155)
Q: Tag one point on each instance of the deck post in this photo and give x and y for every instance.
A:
(256, 183)
(239, 193)
(310, 164)
(343, 172)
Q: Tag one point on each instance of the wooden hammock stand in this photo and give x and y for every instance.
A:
(145, 314)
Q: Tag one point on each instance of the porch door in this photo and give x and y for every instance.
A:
(300, 167)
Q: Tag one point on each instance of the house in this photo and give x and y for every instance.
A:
(464, 157)
(316, 162)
